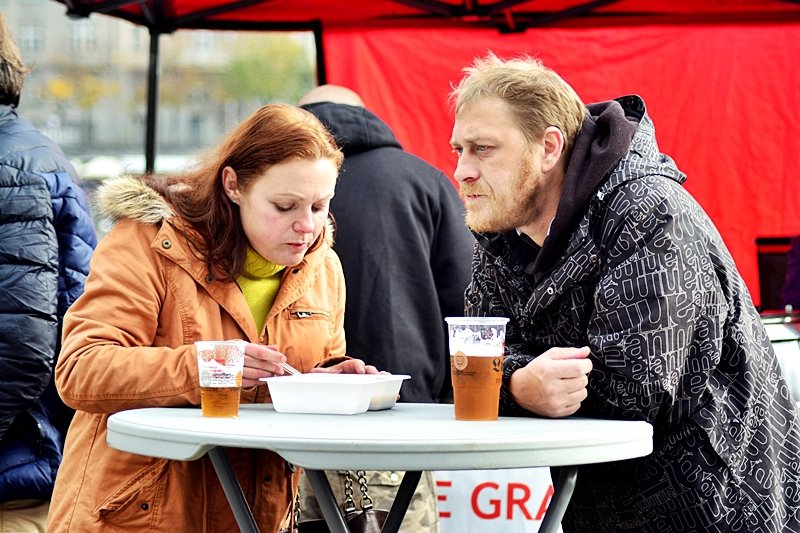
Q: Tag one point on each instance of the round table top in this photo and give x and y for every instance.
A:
(406, 437)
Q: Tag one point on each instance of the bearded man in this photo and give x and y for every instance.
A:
(624, 303)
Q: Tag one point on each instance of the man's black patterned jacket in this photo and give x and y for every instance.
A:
(635, 269)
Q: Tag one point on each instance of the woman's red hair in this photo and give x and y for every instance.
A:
(275, 134)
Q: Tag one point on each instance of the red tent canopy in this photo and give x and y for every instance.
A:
(507, 15)
(720, 78)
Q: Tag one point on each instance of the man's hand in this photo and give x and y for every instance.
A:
(553, 384)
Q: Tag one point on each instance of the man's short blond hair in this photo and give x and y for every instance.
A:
(538, 97)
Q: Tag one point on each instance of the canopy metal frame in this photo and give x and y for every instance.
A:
(507, 16)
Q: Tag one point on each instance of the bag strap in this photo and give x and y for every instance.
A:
(366, 499)
(295, 513)
(349, 502)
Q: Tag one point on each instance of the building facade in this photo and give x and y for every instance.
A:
(88, 86)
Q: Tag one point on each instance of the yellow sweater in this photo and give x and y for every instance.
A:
(260, 280)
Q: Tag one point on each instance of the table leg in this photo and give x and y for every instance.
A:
(405, 493)
(233, 491)
(561, 495)
(327, 501)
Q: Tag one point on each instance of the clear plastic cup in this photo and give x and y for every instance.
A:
(220, 364)
(476, 365)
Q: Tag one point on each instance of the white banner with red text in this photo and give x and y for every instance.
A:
(501, 501)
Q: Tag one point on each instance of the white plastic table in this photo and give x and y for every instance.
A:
(409, 437)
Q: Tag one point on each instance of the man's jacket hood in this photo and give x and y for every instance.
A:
(355, 129)
(602, 141)
(616, 135)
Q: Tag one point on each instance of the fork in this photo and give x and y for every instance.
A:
(289, 368)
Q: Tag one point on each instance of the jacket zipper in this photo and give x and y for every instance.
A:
(308, 314)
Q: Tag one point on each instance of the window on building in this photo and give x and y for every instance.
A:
(30, 38)
(202, 41)
(84, 36)
(196, 130)
(140, 39)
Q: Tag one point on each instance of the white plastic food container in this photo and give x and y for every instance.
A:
(335, 394)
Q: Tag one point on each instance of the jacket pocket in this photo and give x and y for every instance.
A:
(305, 333)
(136, 503)
(308, 313)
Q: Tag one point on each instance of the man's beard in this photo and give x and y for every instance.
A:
(512, 208)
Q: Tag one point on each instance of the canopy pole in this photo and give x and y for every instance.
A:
(322, 75)
(152, 102)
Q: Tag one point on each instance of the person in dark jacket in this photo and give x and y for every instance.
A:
(606, 266)
(46, 240)
(404, 247)
(405, 251)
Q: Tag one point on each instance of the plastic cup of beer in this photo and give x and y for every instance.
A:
(476, 365)
(220, 364)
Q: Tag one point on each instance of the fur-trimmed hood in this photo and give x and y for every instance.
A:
(129, 197)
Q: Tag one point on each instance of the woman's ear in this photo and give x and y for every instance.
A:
(553, 142)
(230, 185)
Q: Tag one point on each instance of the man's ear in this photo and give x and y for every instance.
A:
(230, 184)
(553, 143)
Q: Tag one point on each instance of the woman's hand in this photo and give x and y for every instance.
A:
(349, 366)
(261, 362)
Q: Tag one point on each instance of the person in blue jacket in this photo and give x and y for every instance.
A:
(46, 240)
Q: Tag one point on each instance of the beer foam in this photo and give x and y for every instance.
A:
(477, 350)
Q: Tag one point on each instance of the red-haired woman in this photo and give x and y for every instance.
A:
(239, 247)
